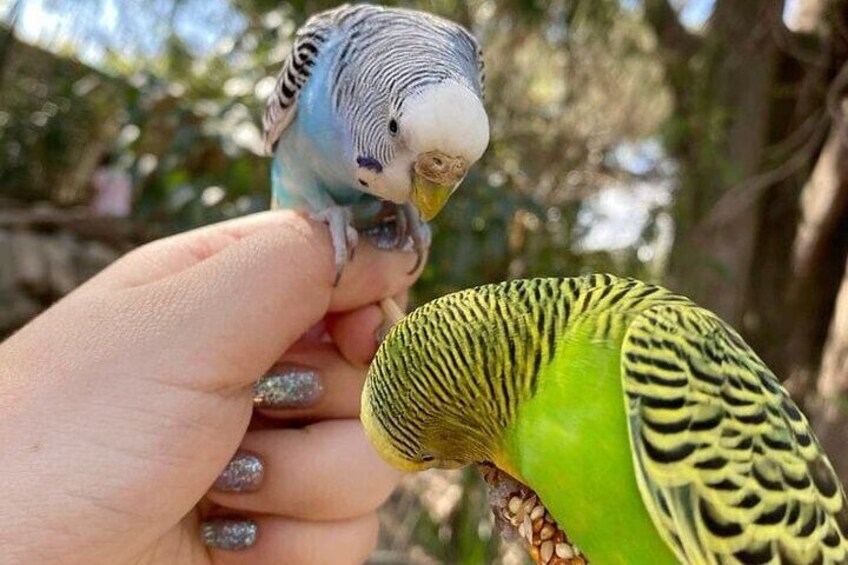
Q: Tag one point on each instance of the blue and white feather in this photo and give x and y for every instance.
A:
(375, 105)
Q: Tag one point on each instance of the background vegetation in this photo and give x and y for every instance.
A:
(701, 144)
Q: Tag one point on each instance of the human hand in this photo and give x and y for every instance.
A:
(121, 404)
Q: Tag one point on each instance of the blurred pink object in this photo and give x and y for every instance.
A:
(112, 192)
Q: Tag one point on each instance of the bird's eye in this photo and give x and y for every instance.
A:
(427, 458)
(393, 126)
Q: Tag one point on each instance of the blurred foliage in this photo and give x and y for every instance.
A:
(55, 119)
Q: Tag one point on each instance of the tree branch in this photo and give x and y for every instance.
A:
(739, 197)
(833, 379)
(674, 39)
(803, 46)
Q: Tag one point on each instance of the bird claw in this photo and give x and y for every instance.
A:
(352, 237)
(392, 314)
(342, 233)
(399, 226)
(411, 227)
(409, 231)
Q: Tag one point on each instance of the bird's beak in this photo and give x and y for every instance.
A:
(429, 197)
(435, 176)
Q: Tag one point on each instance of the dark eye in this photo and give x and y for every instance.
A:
(393, 126)
(427, 458)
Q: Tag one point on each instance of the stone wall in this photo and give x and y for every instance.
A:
(46, 254)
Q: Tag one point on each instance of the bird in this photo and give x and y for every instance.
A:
(648, 428)
(375, 109)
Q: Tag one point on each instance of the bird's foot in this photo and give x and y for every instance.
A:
(413, 230)
(519, 513)
(343, 234)
(399, 226)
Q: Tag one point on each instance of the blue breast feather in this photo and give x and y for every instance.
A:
(313, 165)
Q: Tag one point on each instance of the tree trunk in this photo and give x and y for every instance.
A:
(7, 37)
(834, 374)
(735, 224)
(830, 417)
(818, 258)
(757, 124)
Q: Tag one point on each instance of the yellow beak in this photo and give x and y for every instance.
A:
(435, 175)
(428, 196)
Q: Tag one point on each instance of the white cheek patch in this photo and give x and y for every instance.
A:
(393, 184)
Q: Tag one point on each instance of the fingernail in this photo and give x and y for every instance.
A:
(242, 474)
(288, 387)
(229, 534)
(383, 236)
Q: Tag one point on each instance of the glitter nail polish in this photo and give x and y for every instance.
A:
(229, 534)
(288, 387)
(383, 236)
(242, 474)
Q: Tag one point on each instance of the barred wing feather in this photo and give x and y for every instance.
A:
(727, 465)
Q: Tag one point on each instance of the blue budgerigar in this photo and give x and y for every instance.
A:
(375, 108)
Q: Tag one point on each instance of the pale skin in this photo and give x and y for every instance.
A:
(121, 404)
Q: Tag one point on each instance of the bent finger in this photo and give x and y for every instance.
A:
(312, 382)
(327, 471)
(356, 333)
(286, 542)
(175, 253)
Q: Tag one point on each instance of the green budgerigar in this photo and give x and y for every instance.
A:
(648, 428)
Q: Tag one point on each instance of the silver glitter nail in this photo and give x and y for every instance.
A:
(288, 387)
(229, 534)
(242, 474)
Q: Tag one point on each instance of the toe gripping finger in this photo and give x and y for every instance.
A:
(342, 233)
(411, 226)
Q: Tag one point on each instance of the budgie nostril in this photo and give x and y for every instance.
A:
(439, 168)
(435, 175)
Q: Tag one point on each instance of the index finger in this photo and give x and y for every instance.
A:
(248, 302)
(363, 276)
(175, 253)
